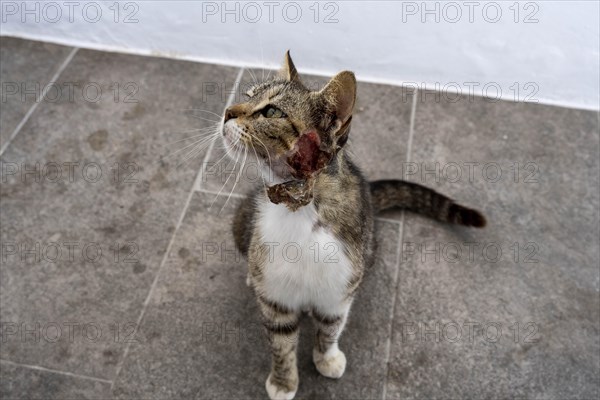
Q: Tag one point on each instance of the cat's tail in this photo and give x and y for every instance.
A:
(388, 194)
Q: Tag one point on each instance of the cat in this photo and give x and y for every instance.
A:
(298, 137)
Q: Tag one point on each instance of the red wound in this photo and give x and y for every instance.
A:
(308, 157)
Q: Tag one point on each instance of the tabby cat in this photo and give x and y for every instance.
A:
(314, 199)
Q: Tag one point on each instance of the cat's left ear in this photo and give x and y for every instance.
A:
(288, 70)
(340, 94)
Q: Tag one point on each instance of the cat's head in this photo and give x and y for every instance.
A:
(289, 128)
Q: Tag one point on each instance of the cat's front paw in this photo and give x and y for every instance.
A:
(330, 365)
(278, 393)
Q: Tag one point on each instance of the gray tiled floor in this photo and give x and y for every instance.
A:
(31, 68)
(33, 384)
(547, 290)
(179, 322)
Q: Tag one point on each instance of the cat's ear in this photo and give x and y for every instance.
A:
(340, 94)
(288, 70)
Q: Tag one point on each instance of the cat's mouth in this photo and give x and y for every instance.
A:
(233, 137)
(236, 144)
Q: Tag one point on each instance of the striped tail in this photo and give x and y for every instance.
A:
(388, 194)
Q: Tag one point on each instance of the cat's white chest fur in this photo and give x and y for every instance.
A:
(306, 265)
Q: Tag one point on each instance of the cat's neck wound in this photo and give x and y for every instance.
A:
(306, 160)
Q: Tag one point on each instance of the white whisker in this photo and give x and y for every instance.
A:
(204, 119)
(262, 55)
(236, 180)
(201, 110)
(227, 151)
(202, 140)
(253, 77)
(213, 126)
(227, 180)
(203, 134)
(224, 155)
(195, 151)
(267, 151)
(258, 161)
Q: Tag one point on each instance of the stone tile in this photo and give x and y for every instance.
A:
(548, 190)
(117, 224)
(544, 296)
(26, 67)
(201, 336)
(25, 383)
(378, 141)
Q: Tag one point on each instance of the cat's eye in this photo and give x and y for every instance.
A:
(272, 112)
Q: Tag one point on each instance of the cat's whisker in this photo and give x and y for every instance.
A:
(226, 154)
(266, 150)
(194, 144)
(210, 137)
(236, 179)
(253, 76)
(204, 119)
(227, 150)
(203, 134)
(195, 151)
(227, 180)
(269, 158)
(199, 146)
(262, 54)
(258, 164)
(202, 110)
(212, 126)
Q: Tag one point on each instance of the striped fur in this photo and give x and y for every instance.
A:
(340, 216)
(390, 194)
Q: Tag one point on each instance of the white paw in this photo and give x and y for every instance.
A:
(276, 393)
(248, 281)
(331, 366)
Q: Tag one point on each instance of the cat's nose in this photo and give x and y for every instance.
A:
(228, 115)
(233, 112)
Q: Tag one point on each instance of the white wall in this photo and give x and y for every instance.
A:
(554, 60)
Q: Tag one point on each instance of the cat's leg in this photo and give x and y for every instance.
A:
(281, 326)
(328, 358)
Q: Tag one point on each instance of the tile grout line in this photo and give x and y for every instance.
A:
(198, 182)
(388, 347)
(388, 220)
(54, 371)
(34, 106)
(235, 195)
(412, 127)
(168, 250)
